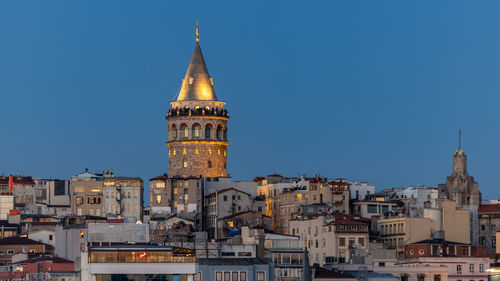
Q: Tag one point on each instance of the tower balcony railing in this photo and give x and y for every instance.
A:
(177, 112)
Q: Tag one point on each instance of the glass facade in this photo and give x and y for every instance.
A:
(142, 277)
(139, 256)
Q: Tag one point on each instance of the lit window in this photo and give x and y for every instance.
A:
(196, 151)
(209, 151)
(218, 151)
(158, 199)
(261, 276)
(174, 151)
(224, 153)
(185, 164)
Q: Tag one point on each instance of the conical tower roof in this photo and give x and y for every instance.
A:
(197, 84)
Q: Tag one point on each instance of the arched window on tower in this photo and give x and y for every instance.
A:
(208, 128)
(184, 131)
(196, 130)
(225, 133)
(219, 132)
(174, 132)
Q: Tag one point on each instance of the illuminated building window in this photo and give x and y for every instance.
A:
(175, 191)
(299, 196)
(185, 164)
(196, 151)
(175, 204)
(184, 152)
(196, 130)
(218, 151)
(82, 234)
(209, 151)
(168, 152)
(224, 153)
(158, 199)
(186, 132)
(174, 151)
(160, 184)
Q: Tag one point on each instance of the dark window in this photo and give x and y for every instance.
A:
(209, 164)
(372, 209)
(421, 278)
(207, 132)
(225, 197)
(50, 237)
(59, 188)
(437, 277)
(381, 264)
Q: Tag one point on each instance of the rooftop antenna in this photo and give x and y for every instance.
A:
(197, 31)
(459, 138)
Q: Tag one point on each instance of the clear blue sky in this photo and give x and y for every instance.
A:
(368, 90)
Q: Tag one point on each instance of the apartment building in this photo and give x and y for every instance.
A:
(86, 193)
(397, 232)
(330, 238)
(123, 198)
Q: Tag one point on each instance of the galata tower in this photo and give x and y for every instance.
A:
(197, 125)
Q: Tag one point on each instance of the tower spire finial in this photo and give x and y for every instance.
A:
(197, 31)
(459, 138)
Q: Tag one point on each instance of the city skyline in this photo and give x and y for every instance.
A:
(304, 108)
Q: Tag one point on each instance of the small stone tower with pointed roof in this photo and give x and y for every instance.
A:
(197, 125)
(463, 189)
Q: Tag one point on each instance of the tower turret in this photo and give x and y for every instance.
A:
(197, 124)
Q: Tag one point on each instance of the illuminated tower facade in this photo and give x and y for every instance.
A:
(197, 125)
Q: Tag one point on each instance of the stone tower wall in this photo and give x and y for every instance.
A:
(191, 152)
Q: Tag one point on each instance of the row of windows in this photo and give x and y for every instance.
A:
(183, 133)
(9, 252)
(471, 268)
(90, 200)
(126, 195)
(173, 151)
(209, 164)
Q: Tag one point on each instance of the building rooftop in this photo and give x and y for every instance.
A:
(45, 258)
(17, 240)
(197, 84)
(492, 208)
(321, 273)
(226, 190)
(224, 261)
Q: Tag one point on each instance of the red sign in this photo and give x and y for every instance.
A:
(11, 182)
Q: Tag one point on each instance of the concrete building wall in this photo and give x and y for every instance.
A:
(44, 236)
(359, 190)
(456, 223)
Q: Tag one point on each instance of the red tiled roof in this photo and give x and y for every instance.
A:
(162, 177)
(492, 208)
(45, 258)
(237, 214)
(347, 222)
(225, 190)
(17, 240)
